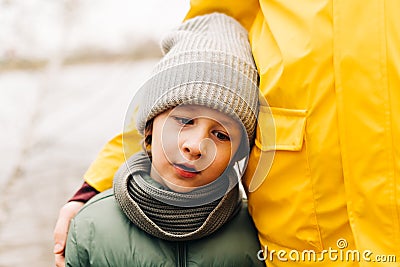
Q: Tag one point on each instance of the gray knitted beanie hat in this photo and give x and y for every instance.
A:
(207, 61)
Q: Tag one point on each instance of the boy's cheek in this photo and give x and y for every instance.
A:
(170, 145)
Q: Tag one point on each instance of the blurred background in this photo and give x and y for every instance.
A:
(68, 70)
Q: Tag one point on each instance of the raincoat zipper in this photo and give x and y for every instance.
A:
(181, 260)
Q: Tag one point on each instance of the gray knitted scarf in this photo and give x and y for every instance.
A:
(171, 215)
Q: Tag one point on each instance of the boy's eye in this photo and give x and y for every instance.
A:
(184, 121)
(223, 137)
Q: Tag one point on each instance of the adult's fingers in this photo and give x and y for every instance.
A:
(67, 212)
(59, 260)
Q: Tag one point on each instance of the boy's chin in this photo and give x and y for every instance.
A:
(171, 186)
(179, 189)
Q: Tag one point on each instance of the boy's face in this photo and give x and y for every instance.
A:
(192, 146)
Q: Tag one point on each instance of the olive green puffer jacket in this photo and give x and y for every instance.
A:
(101, 235)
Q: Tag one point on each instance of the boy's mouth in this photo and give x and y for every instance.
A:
(185, 170)
(186, 167)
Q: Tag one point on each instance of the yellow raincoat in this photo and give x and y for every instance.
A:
(330, 71)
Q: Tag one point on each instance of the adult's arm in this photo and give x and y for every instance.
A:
(101, 172)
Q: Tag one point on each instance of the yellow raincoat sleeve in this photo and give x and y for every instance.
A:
(243, 11)
(101, 172)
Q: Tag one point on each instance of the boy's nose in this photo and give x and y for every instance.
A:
(195, 144)
(192, 148)
(199, 146)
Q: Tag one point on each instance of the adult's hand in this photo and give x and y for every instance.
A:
(67, 212)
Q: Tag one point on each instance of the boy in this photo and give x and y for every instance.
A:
(178, 203)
